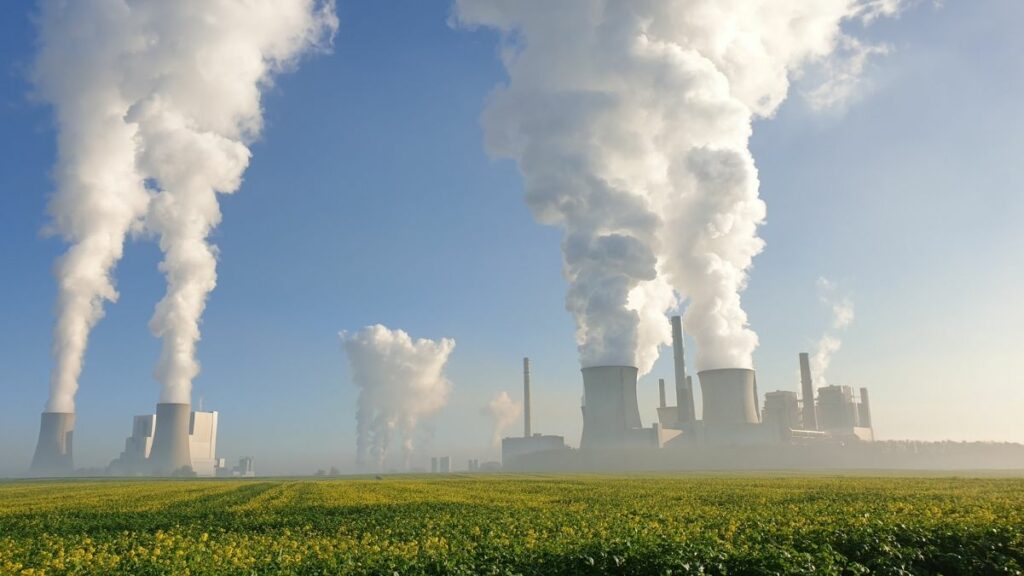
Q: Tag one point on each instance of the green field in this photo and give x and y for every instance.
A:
(542, 525)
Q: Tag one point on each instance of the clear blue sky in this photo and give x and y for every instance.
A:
(370, 200)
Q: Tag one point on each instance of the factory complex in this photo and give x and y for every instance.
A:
(176, 441)
(825, 427)
(828, 427)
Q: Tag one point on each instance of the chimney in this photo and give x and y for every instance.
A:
(526, 398)
(807, 387)
(661, 392)
(684, 391)
(865, 409)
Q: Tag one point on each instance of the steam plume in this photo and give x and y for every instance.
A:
(504, 411)
(630, 121)
(99, 195)
(400, 381)
(830, 342)
(168, 94)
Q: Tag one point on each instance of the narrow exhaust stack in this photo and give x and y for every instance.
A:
(661, 393)
(810, 414)
(684, 389)
(53, 456)
(526, 398)
(170, 451)
(865, 409)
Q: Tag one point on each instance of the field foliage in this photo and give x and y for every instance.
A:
(543, 525)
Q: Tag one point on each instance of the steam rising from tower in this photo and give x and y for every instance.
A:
(155, 102)
(830, 342)
(504, 412)
(630, 122)
(400, 381)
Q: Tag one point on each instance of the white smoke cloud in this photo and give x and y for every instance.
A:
(630, 122)
(99, 195)
(841, 308)
(504, 412)
(400, 381)
(165, 94)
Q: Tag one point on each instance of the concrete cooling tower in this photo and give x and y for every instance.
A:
(170, 451)
(610, 408)
(53, 455)
(729, 396)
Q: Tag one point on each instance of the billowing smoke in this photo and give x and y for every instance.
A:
(841, 308)
(100, 195)
(503, 412)
(155, 103)
(400, 381)
(630, 122)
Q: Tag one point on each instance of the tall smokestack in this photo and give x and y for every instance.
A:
(865, 409)
(661, 393)
(170, 451)
(53, 455)
(684, 392)
(807, 386)
(526, 398)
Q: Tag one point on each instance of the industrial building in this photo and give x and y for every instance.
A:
(730, 413)
(188, 436)
(513, 448)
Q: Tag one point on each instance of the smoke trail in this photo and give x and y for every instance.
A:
(400, 381)
(99, 195)
(210, 63)
(830, 342)
(165, 93)
(630, 121)
(504, 411)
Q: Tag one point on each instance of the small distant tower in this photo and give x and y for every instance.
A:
(810, 414)
(526, 398)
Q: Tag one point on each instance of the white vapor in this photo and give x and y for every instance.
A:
(630, 122)
(400, 381)
(504, 412)
(841, 309)
(155, 102)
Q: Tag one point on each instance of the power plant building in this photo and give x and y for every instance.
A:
(530, 443)
(730, 409)
(200, 444)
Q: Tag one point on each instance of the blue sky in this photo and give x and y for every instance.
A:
(370, 199)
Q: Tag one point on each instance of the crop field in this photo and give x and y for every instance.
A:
(543, 525)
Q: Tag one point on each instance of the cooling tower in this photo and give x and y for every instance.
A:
(810, 414)
(170, 451)
(610, 409)
(53, 455)
(729, 396)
